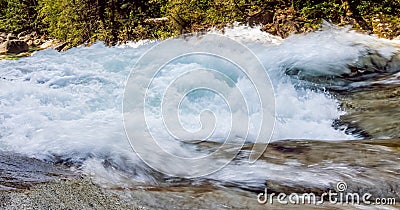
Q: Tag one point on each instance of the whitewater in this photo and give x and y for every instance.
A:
(68, 106)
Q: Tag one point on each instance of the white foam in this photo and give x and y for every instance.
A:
(69, 104)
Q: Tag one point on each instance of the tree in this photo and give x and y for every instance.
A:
(18, 15)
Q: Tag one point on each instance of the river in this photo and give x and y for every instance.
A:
(336, 114)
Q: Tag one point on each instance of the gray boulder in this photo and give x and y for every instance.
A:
(13, 46)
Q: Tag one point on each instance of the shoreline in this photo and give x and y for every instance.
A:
(52, 43)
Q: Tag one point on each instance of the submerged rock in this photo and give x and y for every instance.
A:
(368, 59)
(373, 110)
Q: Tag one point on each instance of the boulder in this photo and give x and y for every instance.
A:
(14, 46)
(394, 64)
(11, 36)
(22, 35)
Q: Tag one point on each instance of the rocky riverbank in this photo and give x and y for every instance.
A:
(24, 44)
(282, 22)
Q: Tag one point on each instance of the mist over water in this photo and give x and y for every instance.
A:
(69, 105)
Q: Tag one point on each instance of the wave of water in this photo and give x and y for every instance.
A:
(68, 105)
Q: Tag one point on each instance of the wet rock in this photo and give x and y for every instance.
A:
(13, 46)
(366, 166)
(378, 61)
(367, 68)
(20, 172)
(373, 63)
(373, 110)
(394, 63)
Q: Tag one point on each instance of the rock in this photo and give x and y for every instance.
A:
(11, 36)
(33, 35)
(27, 37)
(47, 44)
(379, 61)
(29, 42)
(1, 39)
(22, 35)
(394, 64)
(371, 107)
(65, 48)
(13, 46)
(37, 42)
(263, 18)
(53, 44)
(61, 47)
(156, 20)
(21, 172)
(24, 54)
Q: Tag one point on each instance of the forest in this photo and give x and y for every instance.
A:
(113, 21)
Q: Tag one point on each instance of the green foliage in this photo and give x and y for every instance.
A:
(79, 21)
(112, 21)
(189, 15)
(18, 15)
(329, 10)
(74, 21)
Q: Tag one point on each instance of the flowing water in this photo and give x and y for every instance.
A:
(336, 94)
